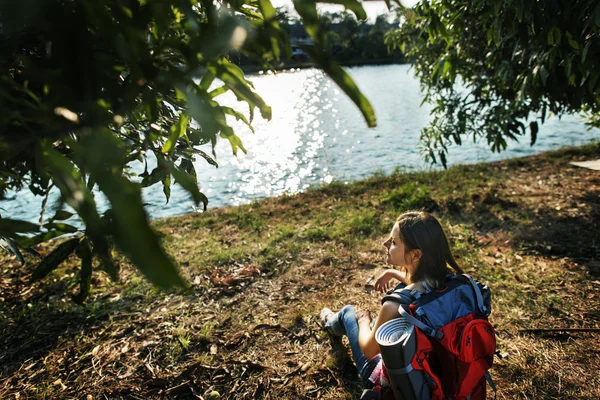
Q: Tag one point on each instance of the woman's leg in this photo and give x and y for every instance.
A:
(346, 322)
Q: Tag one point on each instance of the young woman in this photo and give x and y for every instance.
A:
(419, 247)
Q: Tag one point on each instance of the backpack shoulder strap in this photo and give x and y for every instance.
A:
(405, 297)
(429, 331)
(489, 379)
(400, 295)
(479, 297)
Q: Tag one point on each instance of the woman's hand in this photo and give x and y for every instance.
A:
(362, 316)
(382, 284)
(366, 334)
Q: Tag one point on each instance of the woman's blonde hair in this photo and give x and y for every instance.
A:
(421, 230)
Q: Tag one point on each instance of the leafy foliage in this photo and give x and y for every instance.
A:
(493, 69)
(90, 88)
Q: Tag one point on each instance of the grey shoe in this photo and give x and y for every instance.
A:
(330, 322)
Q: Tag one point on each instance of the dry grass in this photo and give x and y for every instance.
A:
(247, 327)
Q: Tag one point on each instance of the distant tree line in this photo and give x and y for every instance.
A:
(348, 40)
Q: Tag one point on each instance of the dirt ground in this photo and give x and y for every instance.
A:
(529, 228)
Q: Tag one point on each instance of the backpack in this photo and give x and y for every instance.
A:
(455, 343)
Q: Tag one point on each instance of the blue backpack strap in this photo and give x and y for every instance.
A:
(478, 295)
(426, 287)
(429, 331)
(399, 295)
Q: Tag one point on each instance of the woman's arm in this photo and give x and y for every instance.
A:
(382, 283)
(366, 335)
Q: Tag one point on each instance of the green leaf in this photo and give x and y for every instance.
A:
(166, 181)
(439, 28)
(310, 17)
(544, 110)
(574, 44)
(129, 223)
(10, 227)
(208, 158)
(233, 77)
(584, 53)
(188, 182)
(25, 242)
(90, 184)
(62, 227)
(442, 155)
(435, 72)
(157, 175)
(568, 65)
(238, 115)
(234, 140)
(84, 252)
(188, 166)
(557, 35)
(345, 82)
(202, 110)
(218, 91)
(544, 74)
(54, 259)
(519, 8)
(176, 132)
(77, 194)
(127, 11)
(270, 16)
(206, 81)
(447, 66)
(61, 215)
(13, 248)
(534, 129)
(550, 37)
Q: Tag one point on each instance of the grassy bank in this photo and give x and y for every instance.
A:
(248, 326)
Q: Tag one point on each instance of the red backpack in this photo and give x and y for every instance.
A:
(455, 343)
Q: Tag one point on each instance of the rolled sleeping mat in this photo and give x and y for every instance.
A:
(398, 342)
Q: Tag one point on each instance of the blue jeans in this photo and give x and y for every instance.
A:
(346, 324)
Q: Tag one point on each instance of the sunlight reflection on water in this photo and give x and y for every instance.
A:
(317, 135)
(287, 154)
(289, 144)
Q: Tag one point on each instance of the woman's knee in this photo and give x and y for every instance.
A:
(347, 311)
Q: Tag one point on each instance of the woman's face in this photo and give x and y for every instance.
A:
(396, 251)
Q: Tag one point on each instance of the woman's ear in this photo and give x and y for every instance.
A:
(416, 254)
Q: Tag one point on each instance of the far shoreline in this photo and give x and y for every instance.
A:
(286, 67)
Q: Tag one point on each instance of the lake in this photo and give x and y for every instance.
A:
(317, 135)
